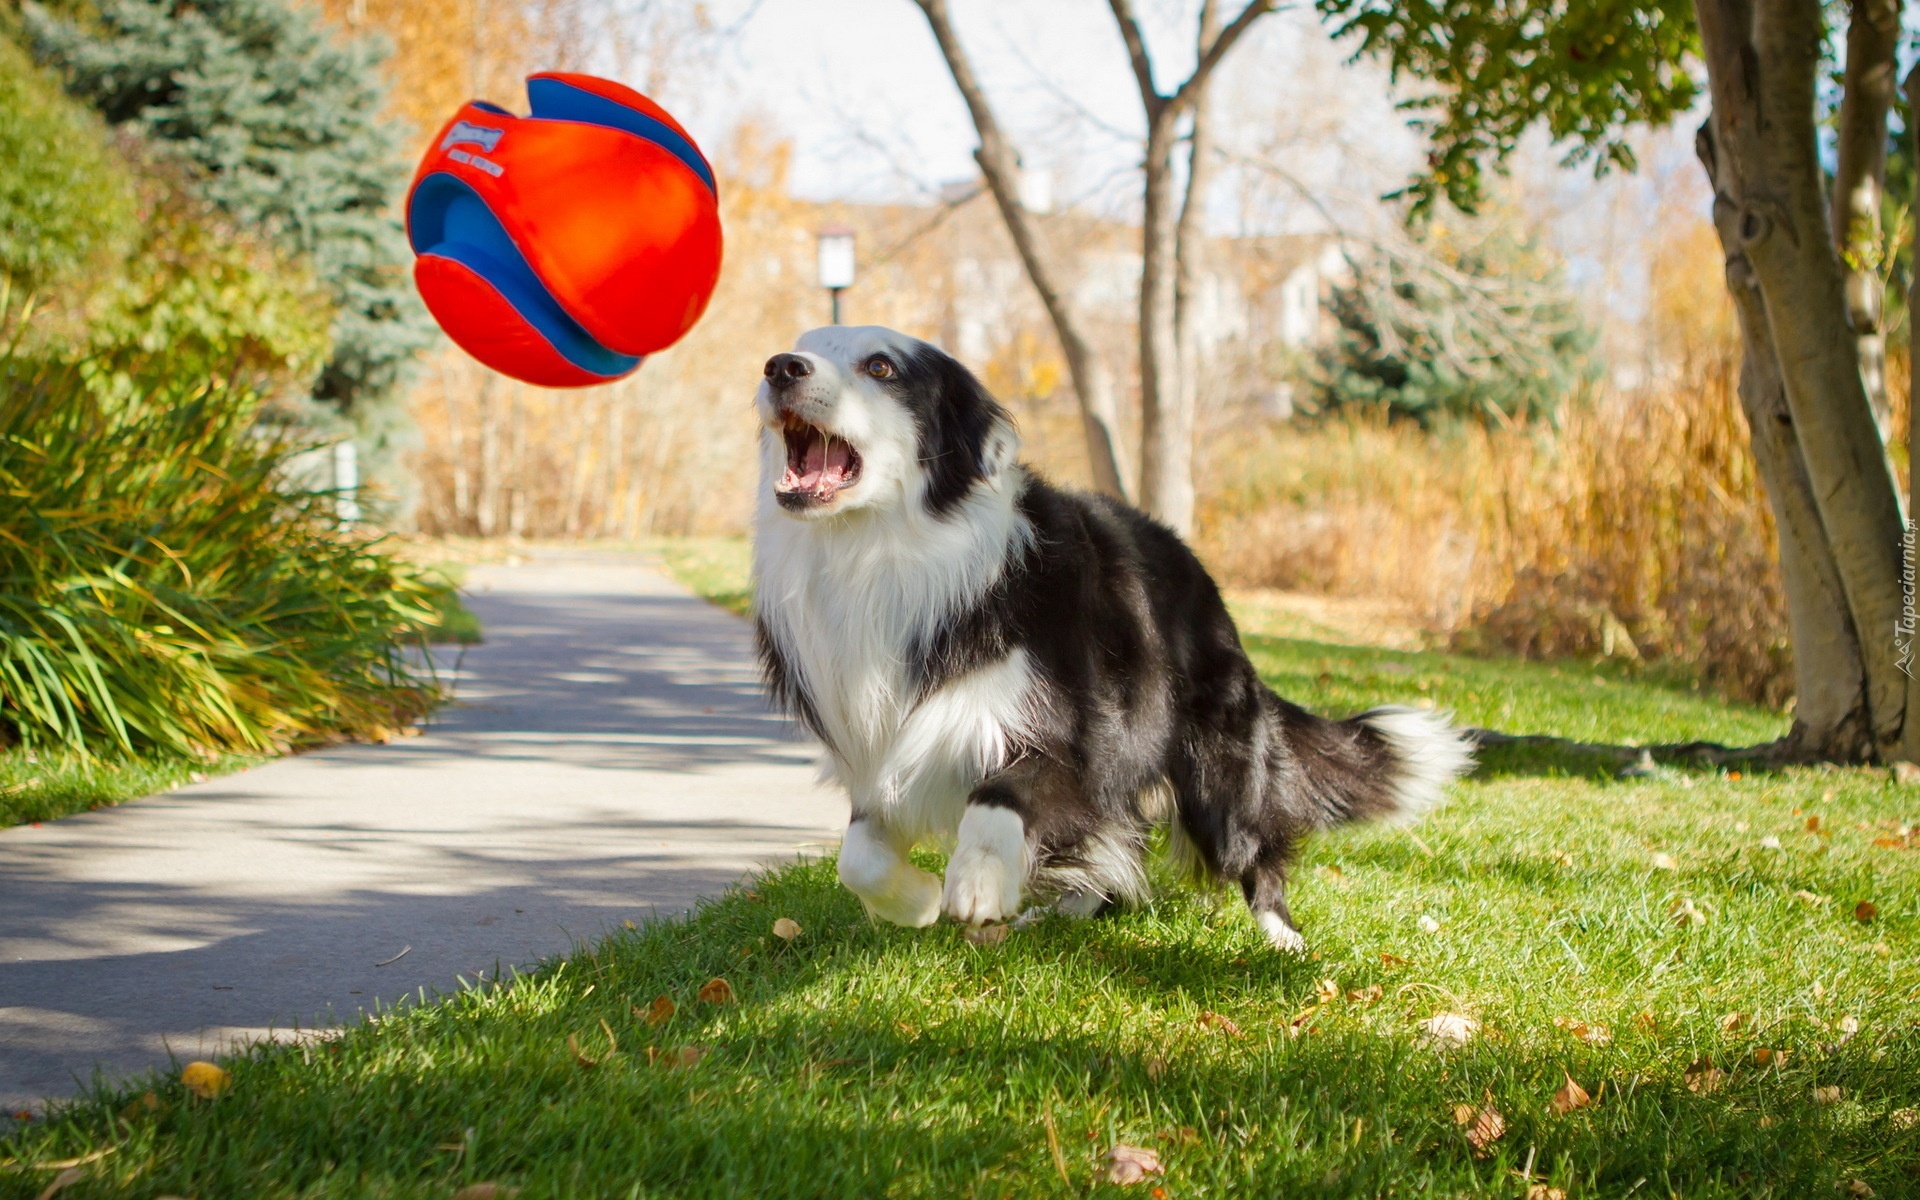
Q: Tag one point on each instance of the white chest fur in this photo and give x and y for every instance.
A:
(850, 604)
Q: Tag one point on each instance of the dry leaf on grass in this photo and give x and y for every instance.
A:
(205, 1080)
(1213, 1020)
(1733, 1022)
(145, 1105)
(1449, 1029)
(1185, 1135)
(1905, 1118)
(1132, 1164)
(1570, 1096)
(659, 1012)
(1647, 1022)
(786, 929)
(485, 1191)
(986, 935)
(1827, 1095)
(1540, 1191)
(1487, 1127)
(613, 1047)
(1865, 911)
(1592, 1034)
(716, 991)
(1665, 862)
(61, 1182)
(1684, 912)
(1366, 995)
(1858, 1187)
(1156, 1066)
(1703, 1077)
(1391, 960)
(684, 1056)
(1768, 1057)
(1806, 897)
(1326, 991)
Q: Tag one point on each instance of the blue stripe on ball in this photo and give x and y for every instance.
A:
(555, 100)
(448, 218)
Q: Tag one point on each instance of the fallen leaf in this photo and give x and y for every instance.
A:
(1561, 857)
(61, 1181)
(1733, 776)
(1592, 1035)
(1428, 924)
(1865, 911)
(716, 991)
(1540, 1191)
(1132, 1164)
(145, 1105)
(204, 1079)
(1185, 1135)
(1570, 1096)
(1768, 1057)
(786, 929)
(1647, 1022)
(1665, 862)
(613, 1047)
(1391, 960)
(1366, 995)
(1463, 1115)
(1768, 1122)
(1213, 1020)
(485, 1191)
(1488, 1127)
(1827, 1095)
(1882, 949)
(1733, 1022)
(1806, 897)
(986, 935)
(1858, 1187)
(1684, 912)
(1156, 1066)
(1905, 1118)
(1849, 1026)
(1327, 991)
(1891, 843)
(1297, 1025)
(1456, 1029)
(684, 1056)
(659, 1012)
(1703, 1077)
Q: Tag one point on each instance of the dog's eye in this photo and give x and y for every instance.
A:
(879, 367)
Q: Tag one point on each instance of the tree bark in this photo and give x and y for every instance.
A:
(1859, 177)
(1166, 406)
(1762, 58)
(1189, 235)
(1910, 735)
(1092, 383)
(1830, 710)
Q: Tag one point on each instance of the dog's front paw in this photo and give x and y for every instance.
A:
(981, 887)
(1281, 935)
(912, 898)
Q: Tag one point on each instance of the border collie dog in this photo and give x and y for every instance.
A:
(1035, 677)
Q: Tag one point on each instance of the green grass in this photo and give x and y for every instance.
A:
(45, 785)
(864, 1060)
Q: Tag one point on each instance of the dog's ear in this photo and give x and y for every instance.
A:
(965, 434)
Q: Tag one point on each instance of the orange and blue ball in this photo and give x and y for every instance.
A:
(565, 246)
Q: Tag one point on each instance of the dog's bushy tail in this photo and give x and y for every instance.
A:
(1387, 764)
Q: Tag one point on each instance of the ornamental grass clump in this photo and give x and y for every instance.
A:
(166, 589)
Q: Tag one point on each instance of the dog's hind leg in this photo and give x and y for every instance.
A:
(874, 866)
(1266, 891)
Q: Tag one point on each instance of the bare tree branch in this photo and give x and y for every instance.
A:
(1001, 166)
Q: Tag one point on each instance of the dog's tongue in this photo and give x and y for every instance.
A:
(838, 460)
(815, 460)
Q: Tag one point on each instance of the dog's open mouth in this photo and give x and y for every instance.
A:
(819, 464)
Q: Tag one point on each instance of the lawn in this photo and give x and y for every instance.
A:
(1724, 964)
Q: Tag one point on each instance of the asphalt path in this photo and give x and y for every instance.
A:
(609, 757)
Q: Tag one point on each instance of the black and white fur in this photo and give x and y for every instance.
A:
(1034, 676)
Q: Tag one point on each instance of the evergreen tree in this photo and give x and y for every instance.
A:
(1464, 320)
(281, 126)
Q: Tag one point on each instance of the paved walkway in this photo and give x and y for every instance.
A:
(610, 758)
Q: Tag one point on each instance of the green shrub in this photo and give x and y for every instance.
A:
(163, 591)
(65, 198)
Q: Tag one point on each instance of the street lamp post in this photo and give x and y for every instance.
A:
(836, 263)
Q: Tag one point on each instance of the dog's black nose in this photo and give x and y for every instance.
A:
(784, 369)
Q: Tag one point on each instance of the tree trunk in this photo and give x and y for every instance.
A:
(1092, 383)
(1910, 736)
(1166, 425)
(1859, 177)
(1830, 711)
(1189, 235)
(1762, 57)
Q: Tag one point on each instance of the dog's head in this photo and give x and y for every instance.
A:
(861, 417)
